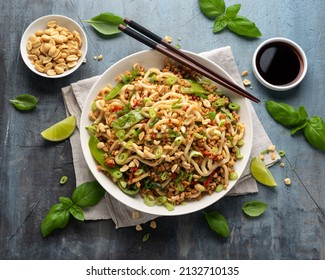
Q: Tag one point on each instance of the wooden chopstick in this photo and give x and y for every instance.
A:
(155, 42)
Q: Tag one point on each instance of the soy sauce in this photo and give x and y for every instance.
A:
(279, 63)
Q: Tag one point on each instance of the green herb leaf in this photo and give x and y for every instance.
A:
(223, 16)
(314, 132)
(57, 217)
(284, 113)
(233, 10)
(106, 23)
(24, 102)
(302, 113)
(220, 23)
(217, 223)
(254, 208)
(88, 194)
(295, 129)
(77, 212)
(66, 201)
(244, 27)
(212, 8)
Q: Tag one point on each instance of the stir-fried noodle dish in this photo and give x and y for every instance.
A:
(169, 134)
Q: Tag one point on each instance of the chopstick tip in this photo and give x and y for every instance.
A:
(121, 27)
(127, 20)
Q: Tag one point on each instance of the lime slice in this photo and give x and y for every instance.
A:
(261, 173)
(60, 130)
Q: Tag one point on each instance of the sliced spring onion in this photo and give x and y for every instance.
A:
(91, 129)
(121, 158)
(93, 106)
(217, 132)
(197, 135)
(152, 113)
(171, 80)
(180, 188)
(146, 99)
(117, 174)
(120, 134)
(222, 123)
(149, 200)
(281, 153)
(233, 106)
(122, 184)
(220, 188)
(138, 172)
(220, 102)
(158, 151)
(63, 180)
(241, 143)
(129, 190)
(195, 154)
(238, 153)
(178, 140)
(161, 199)
(164, 176)
(129, 144)
(233, 175)
(169, 206)
(227, 112)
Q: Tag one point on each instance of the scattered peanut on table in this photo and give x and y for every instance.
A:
(54, 50)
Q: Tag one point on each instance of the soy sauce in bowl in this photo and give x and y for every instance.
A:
(279, 64)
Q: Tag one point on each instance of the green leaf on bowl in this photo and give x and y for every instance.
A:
(106, 23)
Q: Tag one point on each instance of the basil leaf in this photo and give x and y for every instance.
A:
(302, 113)
(66, 202)
(244, 27)
(106, 23)
(218, 223)
(284, 113)
(254, 208)
(88, 194)
(233, 10)
(212, 8)
(297, 128)
(314, 132)
(220, 23)
(24, 102)
(77, 212)
(57, 217)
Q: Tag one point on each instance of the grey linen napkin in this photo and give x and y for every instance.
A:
(122, 215)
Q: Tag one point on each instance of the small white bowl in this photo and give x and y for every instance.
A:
(41, 24)
(293, 47)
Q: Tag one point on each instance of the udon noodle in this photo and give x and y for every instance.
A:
(168, 134)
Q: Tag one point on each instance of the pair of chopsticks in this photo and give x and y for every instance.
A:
(153, 41)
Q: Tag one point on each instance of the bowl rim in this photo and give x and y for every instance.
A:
(280, 87)
(129, 201)
(28, 32)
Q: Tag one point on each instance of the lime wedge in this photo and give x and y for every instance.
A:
(261, 173)
(60, 130)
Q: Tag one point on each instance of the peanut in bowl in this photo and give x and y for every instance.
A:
(53, 46)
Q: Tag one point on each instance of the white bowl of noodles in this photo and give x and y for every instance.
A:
(168, 165)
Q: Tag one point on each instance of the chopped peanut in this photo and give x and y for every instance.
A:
(287, 181)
